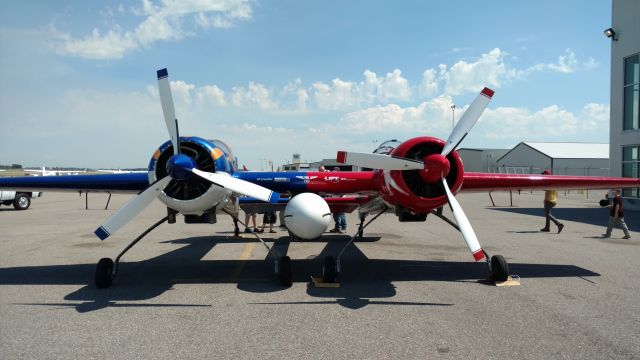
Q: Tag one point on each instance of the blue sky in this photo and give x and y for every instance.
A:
(271, 78)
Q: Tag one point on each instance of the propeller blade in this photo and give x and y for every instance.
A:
(463, 223)
(468, 120)
(239, 186)
(131, 208)
(378, 161)
(166, 99)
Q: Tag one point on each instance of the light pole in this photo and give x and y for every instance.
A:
(453, 115)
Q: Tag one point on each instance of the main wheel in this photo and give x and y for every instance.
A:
(104, 273)
(499, 268)
(21, 202)
(284, 271)
(329, 270)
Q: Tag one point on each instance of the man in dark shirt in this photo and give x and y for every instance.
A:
(616, 215)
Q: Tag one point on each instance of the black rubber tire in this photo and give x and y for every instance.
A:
(284, 271)
(499, 268)
(22, 201)
(329, 270)
(104, 273)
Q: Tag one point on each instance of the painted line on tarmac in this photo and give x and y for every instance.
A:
(245, 255)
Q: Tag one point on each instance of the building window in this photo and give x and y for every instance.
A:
(631, 168)
(631, 93)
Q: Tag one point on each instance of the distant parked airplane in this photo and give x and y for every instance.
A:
(120, 171)
(45, 172)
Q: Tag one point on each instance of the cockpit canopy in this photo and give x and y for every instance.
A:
(387, 147)
(231, 159)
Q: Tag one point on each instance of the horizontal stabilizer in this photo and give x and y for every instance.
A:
(378, 161)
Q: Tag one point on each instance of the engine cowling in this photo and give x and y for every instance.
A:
(421, 191)
(307, 216)
(194, 195)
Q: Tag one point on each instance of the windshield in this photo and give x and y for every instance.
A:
(386, 147)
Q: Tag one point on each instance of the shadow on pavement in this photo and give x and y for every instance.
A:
(362, 279)
(592, 216)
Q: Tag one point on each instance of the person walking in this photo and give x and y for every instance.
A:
(616, 216)
(550, 200)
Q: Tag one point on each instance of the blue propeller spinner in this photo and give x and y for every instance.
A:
(180, 167)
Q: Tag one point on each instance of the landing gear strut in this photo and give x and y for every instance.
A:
(331, 267)
(282, 263)
(107, 269)
(498, 267)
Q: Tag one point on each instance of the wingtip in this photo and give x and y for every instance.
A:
(341, 157)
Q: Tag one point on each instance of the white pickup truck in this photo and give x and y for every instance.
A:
(20, 200)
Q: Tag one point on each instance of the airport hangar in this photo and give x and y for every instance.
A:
(581, 159)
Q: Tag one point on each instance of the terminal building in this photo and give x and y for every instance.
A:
(624, 133)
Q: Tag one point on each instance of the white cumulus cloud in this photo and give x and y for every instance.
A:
(213, 94)
(253, 96)
(341, 94)
(427, 116)
(550, 123)
(162, 22)
(567, 63)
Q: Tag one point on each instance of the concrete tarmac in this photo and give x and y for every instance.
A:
(408, 290)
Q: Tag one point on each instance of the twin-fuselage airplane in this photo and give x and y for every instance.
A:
(198, 178)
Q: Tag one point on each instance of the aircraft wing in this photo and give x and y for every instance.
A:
(115, 183)
(490, 182)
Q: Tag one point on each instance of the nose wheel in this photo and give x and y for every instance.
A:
(104, 273)
(329, 274)
(499, 268)
(284, 271)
